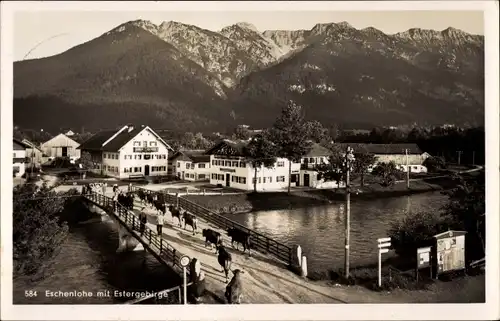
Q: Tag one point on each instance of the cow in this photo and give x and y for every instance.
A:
(175, 213)
(142, 195)
(234, 290)
(241, 237)
(190, 219)
(224, 258)
(126, 200)
(149, 199)
(212, 237)
(160, 206)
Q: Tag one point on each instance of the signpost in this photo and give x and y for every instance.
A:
(184, 263)
(383, 247)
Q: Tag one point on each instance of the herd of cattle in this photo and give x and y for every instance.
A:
(213, 238)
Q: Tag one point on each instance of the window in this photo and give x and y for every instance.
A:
(243, 164)
(281, 164)
(221, 177)
(147, 156)
(152, 143)
(213, 162)
(270, 179)
(235, 164)
(137, 144)
(214, 176)
(201, 176)
(137, 169)
(178, 164)
(104, 155)
(243, 180)
(201, 165)
(280, 178)
(312, 160)
(188, 165)
(137, 157)
(228, 163)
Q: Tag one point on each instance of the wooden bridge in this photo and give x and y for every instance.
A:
(270, 264)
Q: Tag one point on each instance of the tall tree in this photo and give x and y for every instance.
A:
(37, 229)
(242, 132)
(290, 134)
(317, 132)
(388, 172)
(262, 152)
(362, 161)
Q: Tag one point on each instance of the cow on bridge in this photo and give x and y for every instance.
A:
(224, 258)
(191, 220)
(212, 237)
(175, 213)
(160, 206)
(234, 290)
(241, 237)
(142, 195)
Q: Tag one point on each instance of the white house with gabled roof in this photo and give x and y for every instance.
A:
(129, 152)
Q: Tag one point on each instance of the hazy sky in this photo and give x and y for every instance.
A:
(58, 31)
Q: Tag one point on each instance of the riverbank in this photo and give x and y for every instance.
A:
(231, 204)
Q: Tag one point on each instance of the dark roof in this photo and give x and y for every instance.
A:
(19, 145)
(318, 150)
(95, 142)
(121, 139)
(380, 149)
(236, 146)
(195, 156)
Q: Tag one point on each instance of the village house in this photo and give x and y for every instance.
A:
(60, 146)
(400, 154)
(191, 165)
(129, 152)
(230, 168)
(308, 175)
(19, 158)
(34, 154)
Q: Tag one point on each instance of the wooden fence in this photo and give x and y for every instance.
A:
(160, 248)
(258, 241)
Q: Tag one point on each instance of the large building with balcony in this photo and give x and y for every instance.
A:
(129, 152)
(230, 168)
(191, 165)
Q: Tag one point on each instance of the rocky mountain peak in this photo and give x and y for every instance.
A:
(246, 25)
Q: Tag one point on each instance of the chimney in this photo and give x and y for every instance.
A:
(130, 127)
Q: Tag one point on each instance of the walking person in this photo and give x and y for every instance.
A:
(159, 223)
(142, 221)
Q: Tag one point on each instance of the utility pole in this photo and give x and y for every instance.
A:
(459, 152)
(348, 159)
(407, 170)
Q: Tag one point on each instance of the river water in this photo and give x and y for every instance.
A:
(88, 261)
(320, 230)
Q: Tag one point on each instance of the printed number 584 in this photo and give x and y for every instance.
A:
(30, 294)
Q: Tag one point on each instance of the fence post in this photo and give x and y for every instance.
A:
(304, 266)
(161, 245)
(299, 255)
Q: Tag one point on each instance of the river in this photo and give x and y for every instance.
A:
(320, 230)
(88, 260)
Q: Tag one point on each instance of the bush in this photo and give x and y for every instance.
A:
(414, 231)
(37, 228)
(434, 163)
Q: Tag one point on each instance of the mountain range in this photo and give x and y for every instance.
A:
(183, 77)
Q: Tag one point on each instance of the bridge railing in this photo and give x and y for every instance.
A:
(259, 242)
(165, 250)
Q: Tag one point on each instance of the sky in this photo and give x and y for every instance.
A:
(45, 33)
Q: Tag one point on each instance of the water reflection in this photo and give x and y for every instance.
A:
(320, 229)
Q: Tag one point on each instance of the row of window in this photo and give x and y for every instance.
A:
(217, 162)
(132, 169)
(243, 180)
(145, 144)
(314, 160)
(110, 155)
(111, 169)
(191, 165)
(158, 168)
(146, 156)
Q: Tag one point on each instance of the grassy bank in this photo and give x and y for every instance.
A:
(302, 198)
